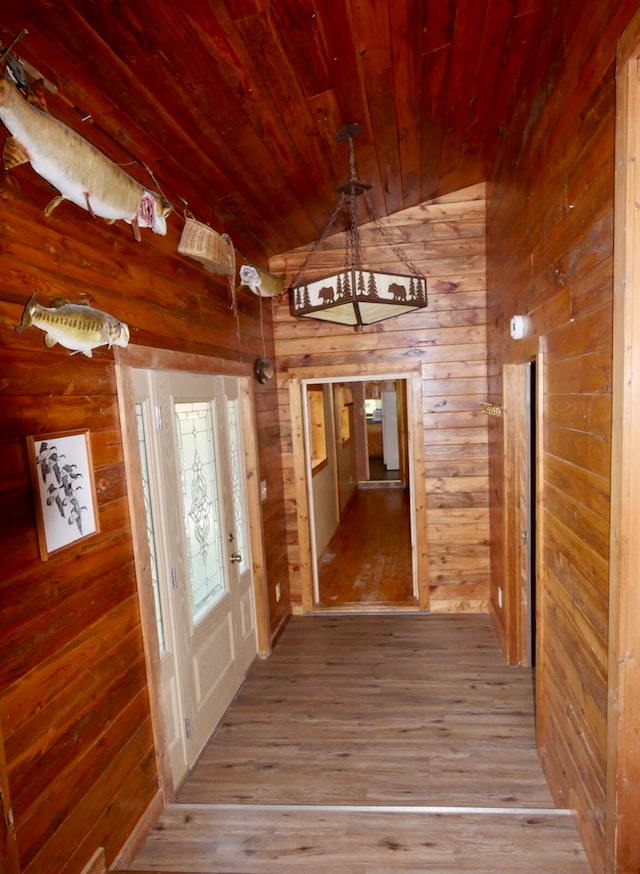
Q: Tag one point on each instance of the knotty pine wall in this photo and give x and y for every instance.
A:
(550, 248)
(74, 712)
(445, 239)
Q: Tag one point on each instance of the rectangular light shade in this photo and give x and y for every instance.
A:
(359, 297)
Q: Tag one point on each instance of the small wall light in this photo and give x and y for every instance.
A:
(520, 327)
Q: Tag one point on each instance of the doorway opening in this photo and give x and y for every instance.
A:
(301, 381)
(382, 442)
(360, 501)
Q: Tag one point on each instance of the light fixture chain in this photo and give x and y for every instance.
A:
(320, 240)
(352, 160)
(357, 295)
(354, 252)
(384, 231)
(352, 240)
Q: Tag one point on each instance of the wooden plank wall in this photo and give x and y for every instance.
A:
(73, 701)
(445, 238)
(623, 813)
(550, 246)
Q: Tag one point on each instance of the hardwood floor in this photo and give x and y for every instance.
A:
(368, 560)
(372, 744)
(379, 473)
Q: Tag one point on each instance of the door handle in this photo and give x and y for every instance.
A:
(235, 557)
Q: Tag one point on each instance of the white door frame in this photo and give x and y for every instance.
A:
(155, 359)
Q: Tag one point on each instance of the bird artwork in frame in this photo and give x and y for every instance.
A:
(64, 489)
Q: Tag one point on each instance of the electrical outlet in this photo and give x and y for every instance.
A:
(278, 592)
(500, 597)
(263, 490)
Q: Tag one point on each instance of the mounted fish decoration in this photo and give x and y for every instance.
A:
(78, 327)
(260, 282)
(77, 169)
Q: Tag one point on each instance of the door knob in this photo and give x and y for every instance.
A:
(235, 557)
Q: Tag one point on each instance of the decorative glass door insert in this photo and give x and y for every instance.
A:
(203, 525)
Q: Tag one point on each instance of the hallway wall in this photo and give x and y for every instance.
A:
(74, 709)
(550, 256)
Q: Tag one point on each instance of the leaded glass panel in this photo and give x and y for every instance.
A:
(151, 537)
(202, 512)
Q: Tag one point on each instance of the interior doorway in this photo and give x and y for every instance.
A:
(299, 381)
(357, 460)
(383, 434)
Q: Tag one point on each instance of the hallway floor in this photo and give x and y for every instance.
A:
(372, 744)
(368, 559)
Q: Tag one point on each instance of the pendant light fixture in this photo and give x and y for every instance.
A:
(357, 295)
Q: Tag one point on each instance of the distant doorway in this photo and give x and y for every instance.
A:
(357, 468)
(383, 434)
(305, 380)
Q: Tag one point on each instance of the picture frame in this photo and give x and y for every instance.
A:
(63, 481)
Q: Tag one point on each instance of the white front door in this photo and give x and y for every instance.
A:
(190, 440)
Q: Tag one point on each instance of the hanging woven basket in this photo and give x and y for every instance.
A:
(213, 250)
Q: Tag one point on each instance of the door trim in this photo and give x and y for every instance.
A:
(158, 359)
(354, 373)
(514, 465)
(623, 754)
(516, 607)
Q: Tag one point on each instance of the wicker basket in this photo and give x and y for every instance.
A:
(213, 250)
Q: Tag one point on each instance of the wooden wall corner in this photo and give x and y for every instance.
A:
(97, 864)
(128, 852)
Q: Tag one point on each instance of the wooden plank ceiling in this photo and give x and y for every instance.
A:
(233, 105)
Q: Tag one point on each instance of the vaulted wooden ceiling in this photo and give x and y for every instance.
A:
(233, 105)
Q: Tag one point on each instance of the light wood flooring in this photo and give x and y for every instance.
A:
(367, 562)
(373, 744)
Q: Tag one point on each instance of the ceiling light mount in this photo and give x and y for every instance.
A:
(349, 132)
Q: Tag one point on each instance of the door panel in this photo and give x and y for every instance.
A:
(215, 674)
(207, 604)
(161, 569)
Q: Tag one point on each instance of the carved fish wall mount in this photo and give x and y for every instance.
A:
(77, 327)
(79, 171)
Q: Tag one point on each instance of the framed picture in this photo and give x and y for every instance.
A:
(64, 489)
